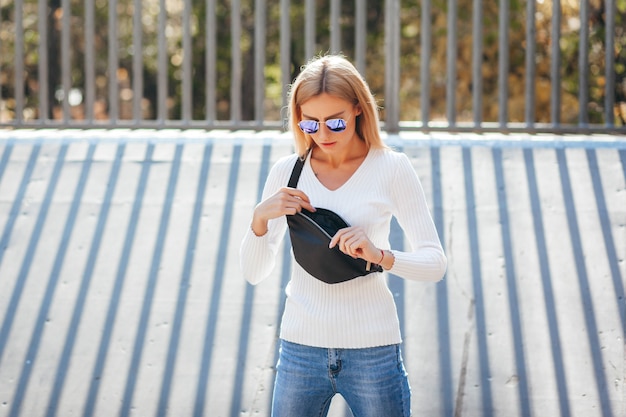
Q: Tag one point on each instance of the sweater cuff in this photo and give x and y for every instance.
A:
(427, 268)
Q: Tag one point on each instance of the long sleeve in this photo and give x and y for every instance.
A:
(426, 260)
(257, 254)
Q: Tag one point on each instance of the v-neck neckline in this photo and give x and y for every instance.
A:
(347, 181)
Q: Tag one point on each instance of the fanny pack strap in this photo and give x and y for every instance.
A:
(297, 170)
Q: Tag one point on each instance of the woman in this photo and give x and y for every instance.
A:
(342, 338)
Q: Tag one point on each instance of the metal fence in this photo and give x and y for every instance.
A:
(54, 73)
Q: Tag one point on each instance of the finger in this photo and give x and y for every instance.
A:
(293, 207)
(301, 198)
(344, 246)
(294, 192)
(308, 206)
(343, 235)
(301, 204)
(337, 239)
(353, 246)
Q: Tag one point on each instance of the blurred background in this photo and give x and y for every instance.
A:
(475, 63)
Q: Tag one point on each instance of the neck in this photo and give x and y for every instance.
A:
(335, 160)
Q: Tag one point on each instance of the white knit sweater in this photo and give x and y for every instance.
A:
(361, 312)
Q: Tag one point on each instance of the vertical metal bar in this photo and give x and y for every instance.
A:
(309, 28)
(259, 60)
(609, 88)
(583, 64)
(285, 56)
(162, 111)
(42, 27)
(555, 65)
(235, 48)
(451, 64)
(137, 81)
(503, 63)
(335, 27)
(66, 59)
(2, 53)
(113, 87)
(19, 61)
(530, 64)
(360, 32)
(210, 60)
(425, 45)
(477, 61)
(187, 70)
(90, 77)
(392, 65)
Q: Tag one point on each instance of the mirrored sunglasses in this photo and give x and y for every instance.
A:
(312, 126)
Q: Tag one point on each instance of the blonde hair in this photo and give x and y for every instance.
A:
(336, 76)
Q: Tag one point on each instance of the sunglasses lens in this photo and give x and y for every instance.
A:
(309, 126)
(336, 125)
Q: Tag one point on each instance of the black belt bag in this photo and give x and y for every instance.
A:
(310, 234)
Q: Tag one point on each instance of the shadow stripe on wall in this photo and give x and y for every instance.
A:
(20, 282)
(443, 312)
(246, 321)
(513, 297)
(583, 283)
(546, 280)
(183, 288)
(477, 283)
(153, 276)
(44, 308)
(218, 278)
(609, 242)
(114, 299)
(14, 212)
(87, 276)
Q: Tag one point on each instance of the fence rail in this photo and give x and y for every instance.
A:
(165, 60)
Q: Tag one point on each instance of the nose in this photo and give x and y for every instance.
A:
(323, 130)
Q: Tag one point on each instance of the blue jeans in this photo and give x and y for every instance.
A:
(373, 381)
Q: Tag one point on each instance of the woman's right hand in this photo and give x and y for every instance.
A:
(285, 201)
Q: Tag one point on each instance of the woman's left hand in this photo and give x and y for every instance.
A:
(354, 242)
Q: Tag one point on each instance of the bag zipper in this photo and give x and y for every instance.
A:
(368, 265)
(310, 220)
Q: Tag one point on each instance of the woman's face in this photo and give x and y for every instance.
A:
(328, 132)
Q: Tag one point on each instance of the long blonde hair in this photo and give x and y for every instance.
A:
(336, 76)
